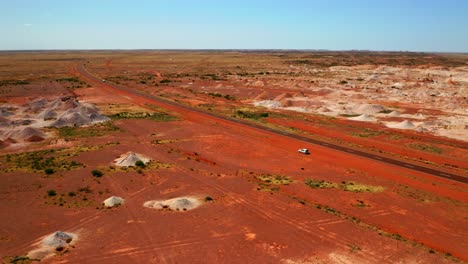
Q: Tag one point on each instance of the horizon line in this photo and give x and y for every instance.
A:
(241, 49)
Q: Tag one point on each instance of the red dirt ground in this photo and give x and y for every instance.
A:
(211, 157)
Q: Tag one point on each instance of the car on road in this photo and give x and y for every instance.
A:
(304, 151)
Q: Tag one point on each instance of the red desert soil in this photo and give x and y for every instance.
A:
(256, 206)
(211, 157)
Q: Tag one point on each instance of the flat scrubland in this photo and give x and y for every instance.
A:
(214, 191)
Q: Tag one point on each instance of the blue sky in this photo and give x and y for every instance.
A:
(409, 25)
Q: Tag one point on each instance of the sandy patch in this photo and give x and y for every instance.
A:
(113, 201)
(130, 158)
(176, 204)
(56, 242)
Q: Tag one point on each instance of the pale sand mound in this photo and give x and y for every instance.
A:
(130, 158)
(402, 125)
(268, 104)
(394, 113)
(47, 114)
(37, 105)
(25, 134)
(175, 204)
(258, 83)
(113, 201)
(363, 117)
(80, 115)
(368, 109)
(28, 132)
(55, 242)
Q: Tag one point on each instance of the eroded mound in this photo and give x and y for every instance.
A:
(402, 125)
(175, 204)
(130, 159)
(363, 117)
(56, 242)
(113, 201)
(80, 115)
(368, 109)
(25, 123)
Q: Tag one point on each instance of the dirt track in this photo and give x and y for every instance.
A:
(395, 162)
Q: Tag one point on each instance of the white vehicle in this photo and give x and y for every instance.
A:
(304, 151)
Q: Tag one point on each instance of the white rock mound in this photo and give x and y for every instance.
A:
(402, 125)
(175, 204)
(268, 104)
(364, 117)
(56, 242)
(80, 115)
(394, 113)
(369, 109)
(113, 201)
(130, 158)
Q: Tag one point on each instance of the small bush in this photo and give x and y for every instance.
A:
(51, 193)
(49, 171)
(85, 189)
(20, 259)
(165, 81)
(208, 198)
(140, 164)
(97, 173)
(71, 194)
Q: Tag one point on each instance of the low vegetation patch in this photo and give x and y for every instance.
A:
(426, 148)
(13, 82)
(360, 204)
(97, 173)
(140, 164)
(271, 182)
(386, 111)
(345, 186)
(366, 133)
(74, 82)
(251, 114)
(96, 130)
(72, 199)
(350, 115)
(225, 96)
(21, 260)
(161, 117)
(46, 161)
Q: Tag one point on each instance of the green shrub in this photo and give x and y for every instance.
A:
(165, 81)
(97, 173)
(49, 171)
(251, 115)
(51, 193)
(208, 198)
(140, 164)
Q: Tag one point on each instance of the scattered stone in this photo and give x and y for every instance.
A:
(113, 201)
(130, 158)
(175, 204)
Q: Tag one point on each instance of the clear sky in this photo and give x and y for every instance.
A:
(409, 25)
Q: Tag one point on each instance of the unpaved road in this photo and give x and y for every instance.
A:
(395, 162)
